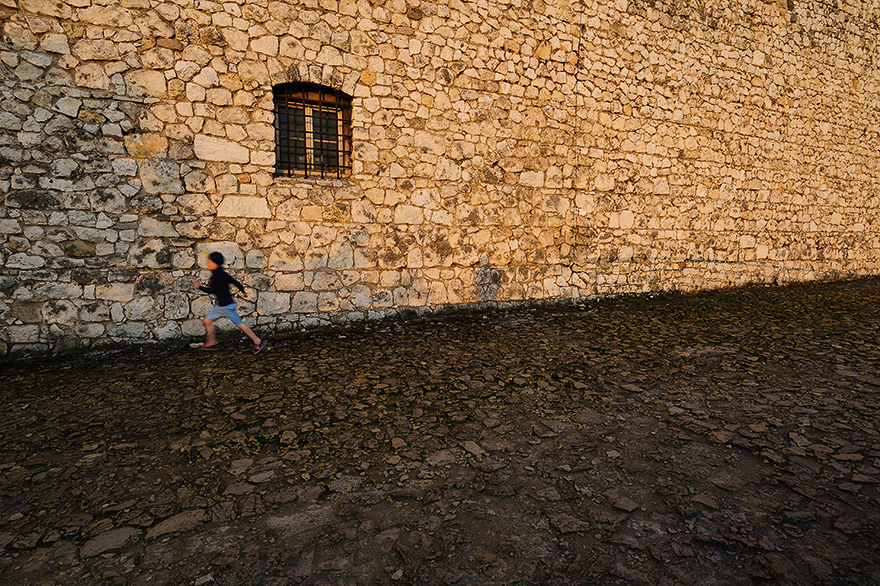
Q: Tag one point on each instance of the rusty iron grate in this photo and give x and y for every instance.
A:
(312, 131)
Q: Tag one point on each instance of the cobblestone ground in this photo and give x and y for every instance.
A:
(719, 438)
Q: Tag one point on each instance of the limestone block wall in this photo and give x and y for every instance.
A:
(503, 151)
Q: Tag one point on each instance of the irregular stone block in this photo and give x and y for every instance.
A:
(131, 330)
(96, 50)
(160, 177)
(10, 227)
(33, 199)
(311, 518)
(23, 260)
(107, 15)
(604, 183)
(28, 334)
(305, 302)
(55, 43)
(234, 206)
(181, 522)
(151, 253)
(19, 37)
(210, 148)
(145, 145)
(154, 228)
(167, 331)
(27, 311)
(47, 7)
(273, 303)
(79, 249)
(109, 541)
(92, 75)
(285, 259)
(141, 309)
(146, 83)
(117, 292)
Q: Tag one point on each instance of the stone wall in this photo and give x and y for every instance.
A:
(503, 151)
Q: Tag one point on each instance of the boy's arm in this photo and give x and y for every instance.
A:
(209, 288)
(239, 285)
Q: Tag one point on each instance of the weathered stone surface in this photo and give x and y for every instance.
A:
(152, 228)
(273, 303)
(309, 519)
(115, 292)
(109, 541)
(25, 261)
(92, 75)
(234, 206)
(33, 199)
(210, 148)
(181, 522)
(146, 145)
(96, 50)
(146, 83)
(79, 249)
(160, 176)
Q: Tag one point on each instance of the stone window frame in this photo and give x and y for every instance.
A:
(323, 117)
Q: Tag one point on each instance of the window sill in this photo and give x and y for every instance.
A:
(310, 180)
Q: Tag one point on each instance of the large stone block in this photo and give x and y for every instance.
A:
(10, 227)
(151, 227)
(29, 312)
(285, 259)
(18, 37)
(95, 311)
(92, 75)
(211, 148)
(160, 176)
(146, 145)
(289, 282)
(146, 83)
(273, 303)
(234, 206)
(25, 261)
(28, 334)
(196, 205)
(232, 253)
(305, 302)
(142, 309)
(154, 254)
(406, 214)
(167, 331)
(55, 8)
(129, 330)
(107, 15)
(123, 292)
(90, 330)
(96, 50)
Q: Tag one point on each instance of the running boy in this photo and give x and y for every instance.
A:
(218, 285)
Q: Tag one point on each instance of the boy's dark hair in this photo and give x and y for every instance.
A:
(217, 258)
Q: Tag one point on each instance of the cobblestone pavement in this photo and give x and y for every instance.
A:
(716, 438)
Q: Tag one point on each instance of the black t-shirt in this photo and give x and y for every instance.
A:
(219, 285)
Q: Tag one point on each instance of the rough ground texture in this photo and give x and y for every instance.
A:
(722, 438)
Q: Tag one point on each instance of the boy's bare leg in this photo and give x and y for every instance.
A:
(210, 335)
(250, 333)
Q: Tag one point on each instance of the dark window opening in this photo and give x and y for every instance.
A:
(312, 131)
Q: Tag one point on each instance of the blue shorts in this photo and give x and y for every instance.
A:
(227, 311)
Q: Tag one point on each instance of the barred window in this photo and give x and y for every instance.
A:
(312, 130)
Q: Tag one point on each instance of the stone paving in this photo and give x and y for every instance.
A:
(714, 438)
